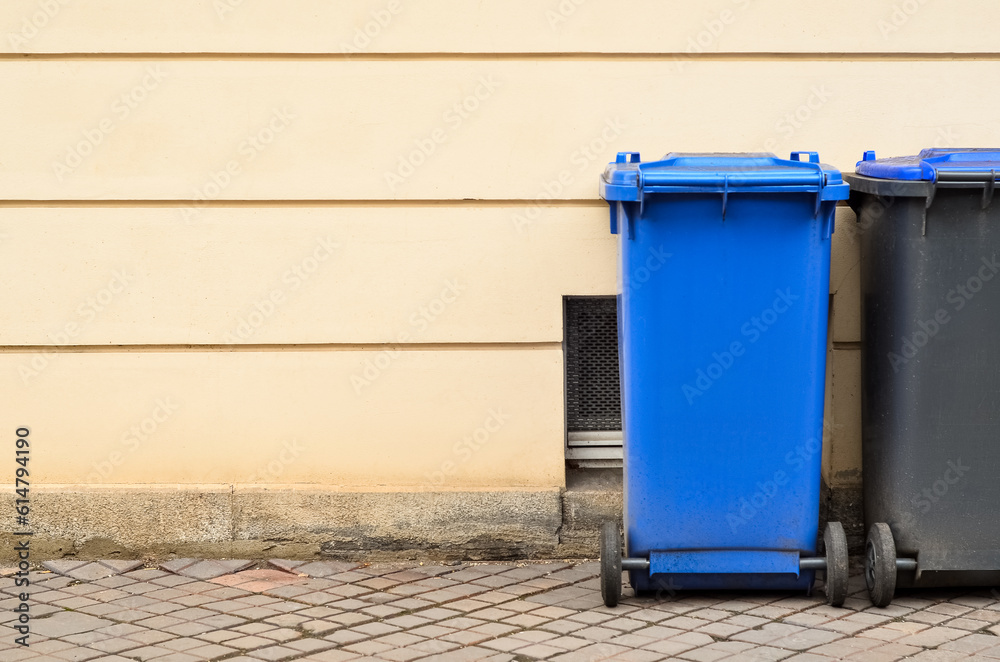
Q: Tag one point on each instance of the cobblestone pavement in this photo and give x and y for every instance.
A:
(187, 610)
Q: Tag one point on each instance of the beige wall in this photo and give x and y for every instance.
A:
(288, 275)
(180, 178)
(503, 26)
(445, 417)
(262, 128)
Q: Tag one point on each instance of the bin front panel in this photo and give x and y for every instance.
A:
(931, 376)
(723, 325)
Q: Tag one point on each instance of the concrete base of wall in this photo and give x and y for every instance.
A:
(845, 504)
(223, 521)
(216, 521)
(592, 496)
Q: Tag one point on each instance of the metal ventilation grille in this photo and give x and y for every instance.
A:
(593, 396)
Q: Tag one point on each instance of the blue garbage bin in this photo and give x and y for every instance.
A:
(724, 268)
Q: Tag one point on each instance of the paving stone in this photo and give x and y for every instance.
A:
(949, 609)
(80, 654)
(342, 637)
(211, 651)
(141, 588)
(65, 623)
(769, 612)
(933, 637)
(249, 642)
(326, 569)
(255, 628)
(150, 637)
(178, 657)
(115, 645)
(939, 656)
(272, 653)
(806, 619)
(325, 656)
(63, 566)
(720, 630)
(91, 572)
(286, 564)
(189, 629)
(176, 565)
(972, 643)
(806, 639)
(211, 569)
(597, 633)
(280, 634)
(468, 637)
(762, 653)
(638, 656)
(75, 602)
(382, 611)
(969, 624)
(257, 600)
(991, 615)
(309, 645)
(290, 591)
(121, 565)
(539, 651)
(18, 654)
(930, 617)
(350, 618)
(885, 653)
(148, 653)
(182, 644)
(217, 636)
(47, 646)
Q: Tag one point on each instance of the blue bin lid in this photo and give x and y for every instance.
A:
(628, 179)
(969, 164)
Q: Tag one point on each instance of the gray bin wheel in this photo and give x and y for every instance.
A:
(880, 564)
(611, 564)
(835, 543)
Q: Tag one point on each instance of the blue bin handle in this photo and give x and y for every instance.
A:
(813, 156)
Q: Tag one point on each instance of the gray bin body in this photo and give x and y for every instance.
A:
(930, 279)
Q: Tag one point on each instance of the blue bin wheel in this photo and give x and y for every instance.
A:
(835, 543)
(611, 564)
(880, 564)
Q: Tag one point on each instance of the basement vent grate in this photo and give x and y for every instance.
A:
(593, 395)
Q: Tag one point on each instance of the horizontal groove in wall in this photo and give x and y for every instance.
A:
(323, 488)
(338, 56)
(466, 202)
(224, 204)
(282, 347)
(848, 345)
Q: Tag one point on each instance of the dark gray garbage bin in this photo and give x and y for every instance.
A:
(930, 257)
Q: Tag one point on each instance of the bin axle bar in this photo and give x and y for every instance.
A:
(819, 563)
(816, 563)
(813, 563)
(635, 564)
